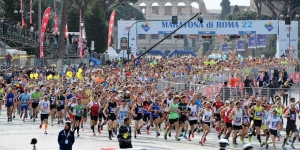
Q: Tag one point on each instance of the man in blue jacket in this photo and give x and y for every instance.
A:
(66, 138)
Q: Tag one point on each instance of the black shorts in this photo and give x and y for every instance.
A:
(84, 113)
(60, 108)
(52, 107)
(146, 117)
(138, 117)
(111, 117)
(101, 115)
(95, 118)
(290, 128)
(207, 123)
(44, 116)
(218, 117)
(193, 122)
(273, 132)
(77, 118)
(235, 127)
(257, 123)
(182, 119)
(34, 105)
(228, 125)
(172, 121)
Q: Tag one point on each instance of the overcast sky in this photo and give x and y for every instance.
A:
(215, 4)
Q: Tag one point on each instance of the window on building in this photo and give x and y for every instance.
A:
(154, 36)
(142, 36)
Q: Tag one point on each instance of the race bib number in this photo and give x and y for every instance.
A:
(78, 112)
(206, 118)
(292, 116)
(258, 114)
(10, 99)
(123, 117)
(193, 114)
(238, 120)
(62, 102)
(139, 110)
(245, 120)
(274, 124)
(268, 123)
(112, 110)
(36, 100)
(45, 105)
(125, 135)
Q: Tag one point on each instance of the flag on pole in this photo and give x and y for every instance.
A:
(110, 28)
(44, 27)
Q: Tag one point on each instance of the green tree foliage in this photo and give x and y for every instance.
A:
(95, 27)
(8, 10)
(35, 9)
(247, 15)
(225, 4)
(125, 12)
(236, 9)
(73, 19)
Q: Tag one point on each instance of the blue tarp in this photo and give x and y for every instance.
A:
(96, 62)
(153, 51)
(182, 52)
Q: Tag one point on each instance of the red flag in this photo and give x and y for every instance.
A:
(44, 27)
(21, 8)
(30, 12)
(80, 38)
(110, 28)
(67, 31)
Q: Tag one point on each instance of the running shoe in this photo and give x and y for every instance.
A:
(148, 132)
(189, 139)
(21, 116)
(262, 144)
(177, 138)
(234, 145)
(180, 134)
(62, 121)
(99, 131)
(169, 133)
(40, 127)
(157, 134)
(283, 147)
(267, 146)
(193, 135)
(78, 135)
(201, 143)
(165, 136)
(58, 122)
(111, 139)
(204, 140)
(8, 119)
(45, 132)
(101, 127)
(292, 145)
(139, 131)
(14, 117)
(218, 129)
(242, 140)
(135, 136)
(185, 136)
(94, 133)
(278, 138)
(219, 137)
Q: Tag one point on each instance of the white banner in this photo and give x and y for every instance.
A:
(123, 28)
(290, 50)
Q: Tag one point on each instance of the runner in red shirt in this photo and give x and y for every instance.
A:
(228, 121)
(95, 107)
(216, 106)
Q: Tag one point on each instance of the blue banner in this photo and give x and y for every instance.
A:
(252, 42)
(224, 48)
(240, 45)
(261, 41)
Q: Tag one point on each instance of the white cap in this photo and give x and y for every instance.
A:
(127, 92)
(227, 101)
(247, 146)
(223, 141)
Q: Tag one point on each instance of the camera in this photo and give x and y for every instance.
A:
(33, 142)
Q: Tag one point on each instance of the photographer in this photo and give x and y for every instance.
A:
(66, 138)
(124, 136)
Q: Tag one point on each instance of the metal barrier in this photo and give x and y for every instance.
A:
(42, 62)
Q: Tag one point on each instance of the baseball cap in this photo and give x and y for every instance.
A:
(223, 141)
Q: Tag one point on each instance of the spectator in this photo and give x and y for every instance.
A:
(225, 92)
(124, 136)
(248, 85)
(271, 87)
(66, 138)
(8, 59)
(284, 94)
(285, 76)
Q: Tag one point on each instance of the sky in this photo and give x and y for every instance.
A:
(215, 4)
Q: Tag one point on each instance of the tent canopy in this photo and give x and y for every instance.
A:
(153, 51)
(182, 52)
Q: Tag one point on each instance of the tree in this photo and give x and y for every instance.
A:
(247, 15)
(236, 9)
(225, 4)
(62, 29)
(111, 4)
(96, 28)
(258, 7)
(73, 19)
(82, 5)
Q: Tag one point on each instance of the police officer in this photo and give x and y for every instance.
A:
(223, 143)
(124, 136)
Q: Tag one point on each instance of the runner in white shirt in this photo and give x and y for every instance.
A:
(274, 123)
(237, 116)
(44, 106)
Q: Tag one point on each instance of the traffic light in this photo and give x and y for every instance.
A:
(206, 37)
(234, 36)
(129, 50)
(174, 19)
(287, 20)
(178, 36)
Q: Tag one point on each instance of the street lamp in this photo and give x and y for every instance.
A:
(81, 24)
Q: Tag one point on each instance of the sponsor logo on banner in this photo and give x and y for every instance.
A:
(288, 29)
(146, 26)
(111, 26)
(126, 28)
(269, 26)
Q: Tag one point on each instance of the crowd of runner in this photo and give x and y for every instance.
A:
(106, 95)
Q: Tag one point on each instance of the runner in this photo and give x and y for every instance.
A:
(61, 106)
(53, 106)
(122, 112)
(44, 106)
(35, 98)
(24, 100)
(216, 105)
(236, 116)
(192, 113)
(155, 109)
(146, 113)
(2, 94)
(109, 112)
(228, 122)
(9, 104)
(78, 112)
(70, 108)
(183, 119)
(291, 116)
(95, 107)
(173, 118)
(207, 114)
(137, 111)
(274, 124)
